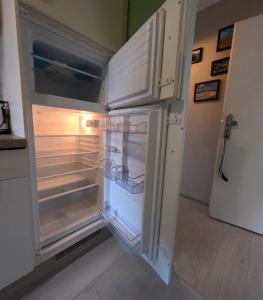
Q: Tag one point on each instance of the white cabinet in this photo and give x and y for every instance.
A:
(16, 246)
(13, 164)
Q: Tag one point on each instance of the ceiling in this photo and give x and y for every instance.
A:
(202, 4)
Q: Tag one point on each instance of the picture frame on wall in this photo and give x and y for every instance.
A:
(224, 39)
(207, 91)
(197, 55)
(220, 66)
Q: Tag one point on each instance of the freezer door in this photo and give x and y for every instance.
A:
(151, 66)
(134, 71)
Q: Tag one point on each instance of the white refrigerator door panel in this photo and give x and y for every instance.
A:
(150, 66)
(132, 71)
(142, 211)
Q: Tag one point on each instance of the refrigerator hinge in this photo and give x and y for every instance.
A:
(174, 119)
(165, 82)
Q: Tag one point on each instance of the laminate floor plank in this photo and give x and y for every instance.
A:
(197, 242)
(68, 282)
(218, 260)
(254, 284)
(130, 278)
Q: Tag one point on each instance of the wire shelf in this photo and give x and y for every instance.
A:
(61, 69)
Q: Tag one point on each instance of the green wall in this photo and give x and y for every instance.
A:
(139, 11)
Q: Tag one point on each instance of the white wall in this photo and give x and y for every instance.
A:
(103, 21)
(203, 119)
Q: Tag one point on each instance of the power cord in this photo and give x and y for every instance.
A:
(220, 170)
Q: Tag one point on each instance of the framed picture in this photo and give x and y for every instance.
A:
(220, 66)
(224, 40)
(197, 55)
(208, 90)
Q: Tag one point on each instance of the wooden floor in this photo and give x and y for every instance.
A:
(220, 261)
(213, 261)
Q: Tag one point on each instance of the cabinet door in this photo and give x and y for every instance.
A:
(133, 72)
(16, 246)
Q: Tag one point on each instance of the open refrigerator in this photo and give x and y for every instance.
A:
(103, 130)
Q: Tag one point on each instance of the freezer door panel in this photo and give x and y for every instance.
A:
(133, 72)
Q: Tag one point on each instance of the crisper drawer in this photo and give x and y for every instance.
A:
(65, 214)
(13, 164)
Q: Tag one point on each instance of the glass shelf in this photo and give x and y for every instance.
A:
(54, 154)
(140, 128)
(55, 187)
(56, 170)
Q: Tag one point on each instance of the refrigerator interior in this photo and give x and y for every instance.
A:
(59, 73)
(67, 149)
(90, 166)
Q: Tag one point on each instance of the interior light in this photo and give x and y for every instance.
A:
(85, 121)
(88, 122)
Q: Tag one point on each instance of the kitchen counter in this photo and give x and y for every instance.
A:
(9, 141)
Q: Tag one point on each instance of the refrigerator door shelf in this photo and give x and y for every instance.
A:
(111, 126)
(120, 227)
(111, 169)
(132, 185)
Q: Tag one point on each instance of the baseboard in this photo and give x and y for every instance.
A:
(195, 200)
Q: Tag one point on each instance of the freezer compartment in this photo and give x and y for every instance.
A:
(121, 227)
(67, 213)
(66, 75)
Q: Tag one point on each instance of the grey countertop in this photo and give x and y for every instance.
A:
(9, 141)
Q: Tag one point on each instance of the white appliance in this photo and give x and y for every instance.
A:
(106, 133)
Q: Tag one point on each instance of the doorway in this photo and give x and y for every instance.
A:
(219, 260)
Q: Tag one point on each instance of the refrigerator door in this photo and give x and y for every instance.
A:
(133, 169)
